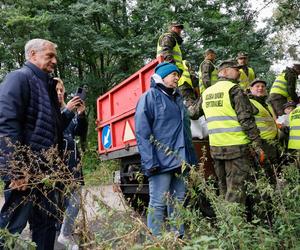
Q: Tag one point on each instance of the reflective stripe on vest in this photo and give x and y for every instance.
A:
(185, 77)
(213, 77)
(246, 80)
(280, 86)
(223, 126)
(176, 52)
(294, 138)
(265, 122)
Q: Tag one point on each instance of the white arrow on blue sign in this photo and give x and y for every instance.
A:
(106, 137)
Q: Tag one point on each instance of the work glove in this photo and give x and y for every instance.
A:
(258, 154)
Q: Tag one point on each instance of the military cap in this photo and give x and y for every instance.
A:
(296, 64)
(289, 104)
(229, 64)
(208, 51)
(256, 81)
(177, 24)
(242, 55)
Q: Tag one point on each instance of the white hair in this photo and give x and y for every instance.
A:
(36, 44)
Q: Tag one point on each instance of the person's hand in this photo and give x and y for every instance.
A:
(258, 154)
(74, 103)
(20, 184)
(81, 108)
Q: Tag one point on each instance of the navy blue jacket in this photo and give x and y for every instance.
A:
(163, 117)
(29, 111)
(77, 127)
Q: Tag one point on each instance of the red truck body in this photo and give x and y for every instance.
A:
(115, 114)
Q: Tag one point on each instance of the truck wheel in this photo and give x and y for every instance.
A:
(134, 185)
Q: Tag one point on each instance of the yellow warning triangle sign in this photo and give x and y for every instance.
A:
(128, 133)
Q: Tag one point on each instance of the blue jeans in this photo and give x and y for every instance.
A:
(72, 209)
(164, 189)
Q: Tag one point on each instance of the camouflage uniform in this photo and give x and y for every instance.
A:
(206, 67)
(191, 101)
(269, 146)
(168, 42)
(232, 167)
(277, 100)
(233, 164)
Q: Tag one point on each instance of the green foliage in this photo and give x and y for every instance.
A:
(274, 223)
(14, 241)
(96, 171)
(273, 226)
(285, 24)
(102, 42)
(287, 14)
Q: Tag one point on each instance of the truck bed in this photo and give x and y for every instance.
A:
(115, 114)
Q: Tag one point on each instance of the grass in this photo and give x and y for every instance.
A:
(100, 173)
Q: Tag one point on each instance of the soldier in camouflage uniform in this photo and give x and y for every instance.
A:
(189, 93)
(232, 129)
(247, 74)
(208, 74)
(265, 121)
(284, 89)
(169, 44)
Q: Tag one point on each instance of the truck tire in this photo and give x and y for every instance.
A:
(134, 185)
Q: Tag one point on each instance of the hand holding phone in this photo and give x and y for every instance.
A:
(81, 93)
(74, 103)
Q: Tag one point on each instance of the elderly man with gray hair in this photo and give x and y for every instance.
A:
(30, 117)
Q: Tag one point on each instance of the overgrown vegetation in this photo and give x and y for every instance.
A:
(210, 222)
(102, 42)
(96, 171)
(274, 223)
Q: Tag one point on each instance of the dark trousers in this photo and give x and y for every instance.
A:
(39, 209)
(232, 174)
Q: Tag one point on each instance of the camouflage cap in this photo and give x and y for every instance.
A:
(256, 81)
(177, 24)
(242, 55)
(209, 50)
(229, 64)
(296, 64)
(289, 104)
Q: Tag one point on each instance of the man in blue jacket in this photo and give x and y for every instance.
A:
(164, 140)
(30, 117)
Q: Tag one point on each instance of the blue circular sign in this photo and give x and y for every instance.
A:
(106, 137)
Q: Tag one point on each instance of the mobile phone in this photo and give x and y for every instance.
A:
(81, 93)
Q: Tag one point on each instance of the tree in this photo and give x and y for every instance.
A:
(285, 24)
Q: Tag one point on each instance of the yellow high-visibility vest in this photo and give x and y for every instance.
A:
(246, 80)
(280, 86)
(186, 76)
(223, 126)
(176, 52)
(213, 77)
(294, 138)
(265, 122)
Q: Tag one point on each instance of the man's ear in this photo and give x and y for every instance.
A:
(32, 53)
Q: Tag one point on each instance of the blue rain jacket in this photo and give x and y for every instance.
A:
(164, 118)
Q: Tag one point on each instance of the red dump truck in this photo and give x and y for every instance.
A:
(116, 132)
